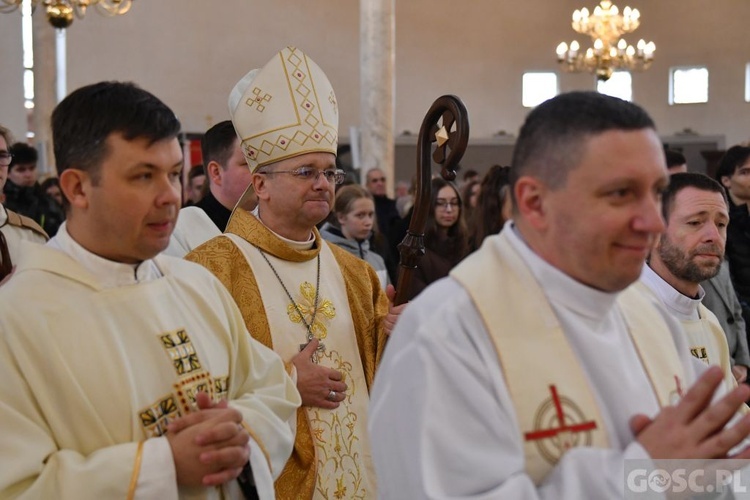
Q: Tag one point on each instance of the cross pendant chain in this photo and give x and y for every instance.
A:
(320, 350)
(321, 347)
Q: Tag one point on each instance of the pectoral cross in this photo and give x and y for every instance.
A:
(321, 348)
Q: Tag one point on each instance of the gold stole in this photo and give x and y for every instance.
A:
(367, 303)
(343, 457)
(555, 405)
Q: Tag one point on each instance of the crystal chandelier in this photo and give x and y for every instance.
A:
(610, 52)
(60, 12)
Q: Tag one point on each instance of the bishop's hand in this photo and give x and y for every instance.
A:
(393, 311)
(318, 385)
(694, 427)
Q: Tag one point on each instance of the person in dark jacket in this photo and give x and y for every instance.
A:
(24, 195)
(446, 237)
(734, 174)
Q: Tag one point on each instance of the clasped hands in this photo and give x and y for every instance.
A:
(695, 428)
(210, 446)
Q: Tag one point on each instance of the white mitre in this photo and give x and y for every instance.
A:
(285, 109)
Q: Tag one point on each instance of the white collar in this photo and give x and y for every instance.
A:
(297, 245)
(3, 215)
(560, 288)
(110, 274)
(678, 304)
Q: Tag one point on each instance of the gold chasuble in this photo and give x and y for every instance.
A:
(556, 408)
(332, 456)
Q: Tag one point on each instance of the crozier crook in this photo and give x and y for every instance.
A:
(447, 124)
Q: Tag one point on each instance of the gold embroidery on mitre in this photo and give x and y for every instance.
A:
(306, 306)
(285, 109)
(559, 425)
(256, 100)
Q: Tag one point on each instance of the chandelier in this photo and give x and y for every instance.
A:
(60, 13)
(610, 52)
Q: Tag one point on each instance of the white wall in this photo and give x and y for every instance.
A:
(191, 52)
(12, 112)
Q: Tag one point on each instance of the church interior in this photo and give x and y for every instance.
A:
(190, 53)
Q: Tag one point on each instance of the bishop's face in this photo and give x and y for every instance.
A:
(290, 205)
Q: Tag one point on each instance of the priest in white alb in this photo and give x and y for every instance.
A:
(690, 251)
(533, 370)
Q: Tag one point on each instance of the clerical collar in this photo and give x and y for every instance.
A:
(3, 215)
(678, 304)
(560, 288)
(297, 245)
(111, 274)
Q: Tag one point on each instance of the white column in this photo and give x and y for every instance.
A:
(45, 86)
(377, 86)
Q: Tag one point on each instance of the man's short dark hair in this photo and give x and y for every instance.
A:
(552, 139)
(682, 180)
(217, 143)
(23, 154)
(674, 158)
(195, 171)
(84, 120)
(735, 157)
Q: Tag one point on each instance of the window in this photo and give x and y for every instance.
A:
(747, 82)
(538, 87)
(619, 85)
(688, 85)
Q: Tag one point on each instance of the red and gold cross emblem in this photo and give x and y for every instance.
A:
(558, 426)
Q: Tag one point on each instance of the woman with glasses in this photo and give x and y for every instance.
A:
(446, 238)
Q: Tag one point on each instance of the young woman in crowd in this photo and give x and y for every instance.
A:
(352, 226)
(446, 237)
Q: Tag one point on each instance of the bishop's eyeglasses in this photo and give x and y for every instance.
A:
(332, 175)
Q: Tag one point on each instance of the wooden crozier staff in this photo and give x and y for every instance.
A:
(451, 136)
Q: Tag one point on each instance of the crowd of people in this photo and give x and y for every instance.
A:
(581, 308)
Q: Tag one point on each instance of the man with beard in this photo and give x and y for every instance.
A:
(689, 251)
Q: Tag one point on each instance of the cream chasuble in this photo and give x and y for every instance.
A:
(344, 466)
(94, 374)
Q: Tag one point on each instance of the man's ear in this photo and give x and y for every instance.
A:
(260, 185)
(530, 194)
(76, 186)
(213, 170)
(726, 181)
